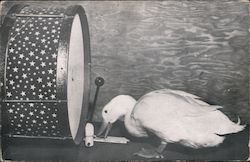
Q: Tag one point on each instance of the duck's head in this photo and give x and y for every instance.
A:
(116, 109)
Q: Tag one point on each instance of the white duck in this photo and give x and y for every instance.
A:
(173, 116)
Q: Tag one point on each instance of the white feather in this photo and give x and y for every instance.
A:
(177, 116)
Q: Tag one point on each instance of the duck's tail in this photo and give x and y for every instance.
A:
(233, 128)
(238, 127)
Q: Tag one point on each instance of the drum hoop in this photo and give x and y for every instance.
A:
(63, 53)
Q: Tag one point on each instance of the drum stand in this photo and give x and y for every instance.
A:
(89, 129)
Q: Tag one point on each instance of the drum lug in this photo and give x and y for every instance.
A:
(11, 16)
(68, 17)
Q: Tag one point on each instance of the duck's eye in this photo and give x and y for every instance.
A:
(105, 111)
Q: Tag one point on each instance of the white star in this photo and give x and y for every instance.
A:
(45, 28)
(55, 40)
(26, 38)
(42, 52)
(42, 112)
(31, 104)
(23, 93)
(31, 25)
(10, 110)
(45, 122)
(17, 29)
(21, 115)
(32, 63)
(54, 115)
(53, 31)
(40, 96)
(32, 87)
(23, 21)
(39, 80)
(43, 64)
(54, 55)
(53, 127)
(50, 71)
(31, 113)
(37, 33)
(12, 82)
(11, 50)
(21, 56)
(53, 96)
(33, 44)
(49, 84)
(24, 76)
(12, 39)
(9, 94)
(33, 121)
(15, 69)
(31, 53)
(43, 40)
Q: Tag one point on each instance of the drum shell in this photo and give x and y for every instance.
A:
(59, 103)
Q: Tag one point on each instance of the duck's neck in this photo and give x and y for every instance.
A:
(132, 125)
(127, 118)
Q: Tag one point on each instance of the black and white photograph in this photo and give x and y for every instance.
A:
(124, 80)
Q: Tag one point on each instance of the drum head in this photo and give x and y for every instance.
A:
(75, 80)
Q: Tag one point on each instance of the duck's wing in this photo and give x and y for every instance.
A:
(194, 106)
(191, 98)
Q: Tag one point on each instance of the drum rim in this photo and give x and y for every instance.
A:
(70, 13)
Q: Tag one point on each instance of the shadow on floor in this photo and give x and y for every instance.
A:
(235, 147)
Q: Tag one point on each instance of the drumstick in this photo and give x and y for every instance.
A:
(99, 81)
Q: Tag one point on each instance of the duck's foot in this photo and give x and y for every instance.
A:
(149, 153)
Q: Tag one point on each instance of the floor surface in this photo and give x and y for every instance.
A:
(235, 147)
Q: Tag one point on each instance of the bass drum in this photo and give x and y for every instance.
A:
(46, 82)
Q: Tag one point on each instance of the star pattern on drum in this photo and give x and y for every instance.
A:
(32, 56)
(31, 120)
(31, 74)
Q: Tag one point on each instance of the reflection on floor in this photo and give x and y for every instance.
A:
(235, 147)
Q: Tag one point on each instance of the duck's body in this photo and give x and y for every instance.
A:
(173, 116)
(177, 116)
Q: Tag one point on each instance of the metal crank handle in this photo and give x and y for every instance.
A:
(99, 81)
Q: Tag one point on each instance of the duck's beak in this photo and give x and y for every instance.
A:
(104, 126)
